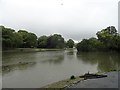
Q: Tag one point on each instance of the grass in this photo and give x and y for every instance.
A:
(64, 83)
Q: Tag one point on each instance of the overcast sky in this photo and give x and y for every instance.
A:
(76, 19)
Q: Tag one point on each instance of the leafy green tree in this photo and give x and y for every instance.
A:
(83, 45)
(115, 42)
(95, 44)
(91, 44)
(29, 39)
(24, 35)
(7, 37)
(42, 42)
(17, 40)
(105, 34)
(55, 41)
(108, 37)
(70, 43)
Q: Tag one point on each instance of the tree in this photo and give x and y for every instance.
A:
(29, 39)
(83, 45)
(17, 40)
(105, 34)
(108, 37)
(55, 41)
(42, 42)
(70, 43)
(7, 37)
(24, 35)
(95, 44)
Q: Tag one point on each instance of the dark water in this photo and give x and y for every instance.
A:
(37, 69)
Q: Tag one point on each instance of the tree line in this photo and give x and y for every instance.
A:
(24, 39)
(107, 40)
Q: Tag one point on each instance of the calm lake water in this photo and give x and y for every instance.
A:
(37, 69)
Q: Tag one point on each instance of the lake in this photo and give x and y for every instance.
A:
(37, 69)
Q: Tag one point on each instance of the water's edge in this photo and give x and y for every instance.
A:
(71, 82)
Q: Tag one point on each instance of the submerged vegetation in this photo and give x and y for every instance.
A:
(107, 39)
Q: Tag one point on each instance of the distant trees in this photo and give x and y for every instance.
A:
(29, 39)
(52, 41)
(55, 41)
(70, 43)
(22, 38)
(9, 37)
(108, 39)
(42, 42)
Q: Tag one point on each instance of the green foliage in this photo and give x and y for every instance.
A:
(55, 41)
(17, 40)
(29, 39)
(70, 43)
(12, 39)
(24, 39)
(42, 42)
(83, 45)
(108, 39)
(7, 37)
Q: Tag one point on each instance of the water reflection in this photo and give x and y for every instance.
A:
(54, 60)
(106, 61)
(70, 52)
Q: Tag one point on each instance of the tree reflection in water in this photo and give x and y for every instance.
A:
(54, 60)
(106, 61)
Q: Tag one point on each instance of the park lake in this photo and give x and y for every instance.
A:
(37, 69)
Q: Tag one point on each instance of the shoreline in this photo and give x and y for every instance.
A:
(62, 84)
(31, 50)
